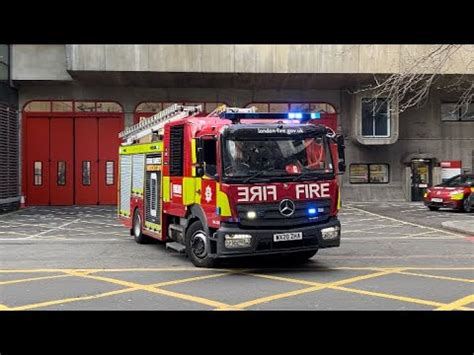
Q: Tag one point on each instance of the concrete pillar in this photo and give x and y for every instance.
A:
(406, 182)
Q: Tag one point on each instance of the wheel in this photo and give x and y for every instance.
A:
(301, 256)
(139, 237)
(467, 206)
(433, 208)
(197, 246)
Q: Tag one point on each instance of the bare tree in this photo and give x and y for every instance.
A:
(420, 74)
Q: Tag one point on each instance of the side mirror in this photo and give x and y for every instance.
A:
(199, 171)
(341, 153)
(199, 158)
(199, 151)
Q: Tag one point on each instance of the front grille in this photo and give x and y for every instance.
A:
(268, 214)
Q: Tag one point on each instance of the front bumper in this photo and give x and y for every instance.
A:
(263, 244)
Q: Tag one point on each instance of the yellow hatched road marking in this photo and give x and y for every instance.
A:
(458, 304)
(315, 286)
(394, 297)
(74, 299)
(130, 287)
(436, 276)
(155, 289)
(337, 286)
(9, 282)
(407, 223)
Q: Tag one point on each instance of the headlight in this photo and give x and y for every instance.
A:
(425, 195)
(331, 232)
(237, 240)
(251, 214)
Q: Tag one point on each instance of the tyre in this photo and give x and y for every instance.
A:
(197, 246)
(467, 207)
(433, 208)
(137, 229)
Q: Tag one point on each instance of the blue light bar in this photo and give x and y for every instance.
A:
(312, 211)
(295, 115)
(303, 117)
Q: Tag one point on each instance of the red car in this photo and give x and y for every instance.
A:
(453, 193)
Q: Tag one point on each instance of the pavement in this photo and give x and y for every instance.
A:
(392, 257)
(465, 227)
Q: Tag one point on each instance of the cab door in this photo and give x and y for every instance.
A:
(209, 180)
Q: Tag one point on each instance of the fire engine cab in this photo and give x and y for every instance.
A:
(232, 183)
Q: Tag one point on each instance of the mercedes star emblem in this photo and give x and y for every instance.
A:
(287, 208)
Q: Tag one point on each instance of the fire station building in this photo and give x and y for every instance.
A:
(62, 107)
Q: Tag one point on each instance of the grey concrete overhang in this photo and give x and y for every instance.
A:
(222, 80)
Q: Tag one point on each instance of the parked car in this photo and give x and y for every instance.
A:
(469, 207)
(454, 193)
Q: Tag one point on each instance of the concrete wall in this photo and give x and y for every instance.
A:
(39, 62)
(261, 58)
(422, 134)
(52, 62)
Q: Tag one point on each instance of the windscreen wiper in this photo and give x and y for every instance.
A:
(305, 174)
(258, 173)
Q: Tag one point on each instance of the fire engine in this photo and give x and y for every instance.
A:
(232, 183)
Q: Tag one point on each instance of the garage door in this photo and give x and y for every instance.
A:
(71, 158)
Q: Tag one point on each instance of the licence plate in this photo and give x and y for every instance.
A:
(437, 200)
(282, 237)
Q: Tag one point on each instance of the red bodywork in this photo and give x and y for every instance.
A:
(446, 197)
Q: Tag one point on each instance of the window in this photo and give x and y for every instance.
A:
(369, 174)
(210, 161)
(293, 106)
(375, 117)
(86, 173)
(378, 173)
(109, 173)
(38, 173)
(61, 178)
(62, 106)
(83, 106)
(153, 194)
(359, 173)
(451, 112)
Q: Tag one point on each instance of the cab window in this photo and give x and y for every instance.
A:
(210, 157)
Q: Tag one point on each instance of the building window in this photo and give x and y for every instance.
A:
(61, 178)
(293, 107)
(378, 173)
(375, 117)
(359, 173)
(369, 174)
(86, 173)
(38, 173)
(453, 112)
(109, 172)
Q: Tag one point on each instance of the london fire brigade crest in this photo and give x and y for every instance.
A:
(208, 194)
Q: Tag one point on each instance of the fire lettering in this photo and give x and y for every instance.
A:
(257, 193)
(312, 191)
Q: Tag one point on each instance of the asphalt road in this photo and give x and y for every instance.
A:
(392, 256)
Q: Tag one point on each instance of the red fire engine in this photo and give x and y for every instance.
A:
(235, 182)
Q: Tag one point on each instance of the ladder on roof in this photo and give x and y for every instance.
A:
(157, 121)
